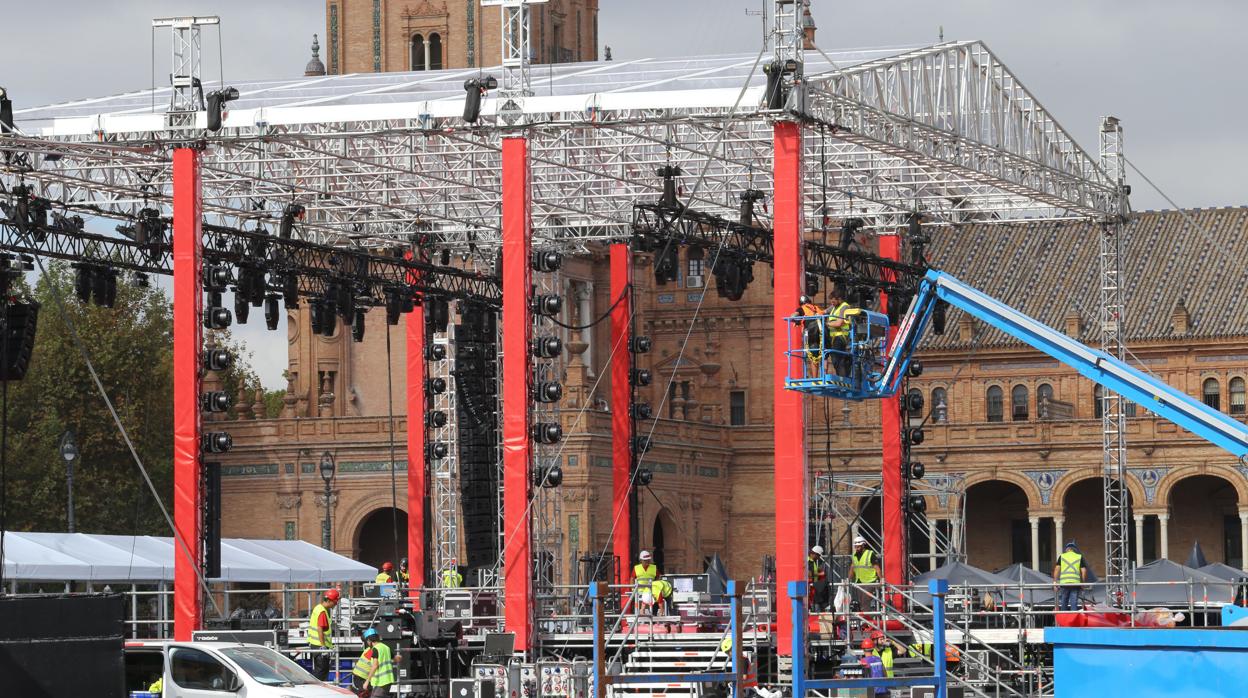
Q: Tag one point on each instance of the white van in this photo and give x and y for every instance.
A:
(220, 670)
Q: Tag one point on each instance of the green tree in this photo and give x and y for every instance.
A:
(131, 347)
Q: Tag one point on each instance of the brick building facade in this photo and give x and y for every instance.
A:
(1018, 433)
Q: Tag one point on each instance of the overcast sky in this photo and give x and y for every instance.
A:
(1173, 72)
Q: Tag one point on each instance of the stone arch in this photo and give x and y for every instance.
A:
(373, 541)
(349, 518)
(1074, 477)
(1205, 506)
(1029, 488)
(1229, 473)
(996, 522)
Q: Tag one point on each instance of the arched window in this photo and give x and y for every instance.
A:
(1044, 396)
(418, 52)
(996, 404)
(1018, 403)
(435, 52)
(1098, 402)
(940, 405)
(1237, 396)
(1211, 393)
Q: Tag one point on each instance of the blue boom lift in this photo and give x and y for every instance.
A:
(875, 369)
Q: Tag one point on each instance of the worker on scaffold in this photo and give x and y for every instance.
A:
(648, 580)
(839, 311)
(813, 334)
(865, 569)
(817, 576)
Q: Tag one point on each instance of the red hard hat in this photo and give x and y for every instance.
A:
(868, 644)
(332, 595)
(388, 566)
(877, 634)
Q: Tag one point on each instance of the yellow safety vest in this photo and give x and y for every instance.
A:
(814, 566)
(839, 314)
(384, 578)
(315, 638)
(1069, 566)
(886, 657)
(645, 574)
(452, 579)
(384, 676)
(404, 577)
(864, 567)
(158, 686)
(363, 665)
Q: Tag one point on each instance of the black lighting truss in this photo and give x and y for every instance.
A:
(314, 268)
(661, 223)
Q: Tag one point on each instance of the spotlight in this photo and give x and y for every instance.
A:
(774, 97)
(547, 433)
(216, 401)
(918, 504)
(445, 256)
(644, 476)
(435, 352)
(640, 345)
(939, 316)
(271, 315)
(316, 311)
(849, 230)
(435, 419)
(916, 369)
(217, 442)
(437, 450)
(439, 313)
(748, 198)
(241, 309)
(216, 106)
(641, 444)
(290, 292)
(917, 470)
(640, 377)
(394, 306)
(476, 89)
(293, 212)
(216, 277)
(329, 319)
(357, 326)
(548, 306)
(548, 261)
(547, 391)
(217, 318)
(812, 285)
(669, 174)
(640, 410)
(435, 386)
(217, 360)
(547, 347)
(914, 436)
(912, 402)
(667, 263)
(6, 112)
(553, 477)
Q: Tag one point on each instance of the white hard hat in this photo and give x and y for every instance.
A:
(818, 550)
(859, 540)
(645, 555)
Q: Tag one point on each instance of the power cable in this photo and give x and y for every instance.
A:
(394, 478)
(1213, 243)
(605, 316)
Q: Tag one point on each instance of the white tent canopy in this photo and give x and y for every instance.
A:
(139, 559)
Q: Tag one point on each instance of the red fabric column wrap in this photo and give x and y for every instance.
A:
(415, 357)
(517, 372)
(894, 538)
(621, 420)
(789, 420)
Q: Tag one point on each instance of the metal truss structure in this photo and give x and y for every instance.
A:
(444, 471)
(946, 130)
(547, 507)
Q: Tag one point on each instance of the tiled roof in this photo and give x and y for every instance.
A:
(1048, 269)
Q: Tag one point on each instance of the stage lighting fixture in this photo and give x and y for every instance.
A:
(548, 306)
(914, 436)
(216, 277)
(553, 477)
(917, 470)
(435, 386)
(445, 256)
(915, 369)
(641, 444)
(437, 450)
(812, 285)
(217, 359)
(217, 442)
(667, 263)
(849, 230)
(644, 476)
(293, 212)
(547, 391)
(898, 304)
(748, 198)
(216, 401)
(394, 306)
(435, 419)
(641, 410)
(290, 292)
(241, 309)
(547, 433)
(83, 283)
(329, 318)
(547, 261)
(669, 173)
(547, 347)
(140, 280)
(6, 112)
(435, 352)
(217, 318)
(939, 317)
(316, 312)
(640, 345)
(438, 311)
(216, 106)
(357, 326)
(149, 229)
(271, 312)
(476, 89)
(918, 504)
(912, 402)
(640, 377)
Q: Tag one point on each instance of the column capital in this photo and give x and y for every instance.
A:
(1139, 518)
(1035, 520)
(1163, 515)
(1243, 514)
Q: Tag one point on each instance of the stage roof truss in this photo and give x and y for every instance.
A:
(947, 130)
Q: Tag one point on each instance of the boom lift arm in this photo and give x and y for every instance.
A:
(871, 379)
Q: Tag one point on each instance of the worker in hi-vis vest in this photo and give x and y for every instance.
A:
(838, 332)
(1070, 573)
(812, 333)
(646, 574)
(321, 633)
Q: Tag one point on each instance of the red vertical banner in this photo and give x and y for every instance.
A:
(416, 484)
(188, 301)
(621, 419)
(789, 420)
(894, 537)
(517, 374)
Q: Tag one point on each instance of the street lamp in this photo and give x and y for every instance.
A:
(327, 474)
(69, 452)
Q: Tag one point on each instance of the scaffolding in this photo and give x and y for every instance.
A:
(445, 469)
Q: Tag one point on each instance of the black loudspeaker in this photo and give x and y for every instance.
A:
(87, 632)
(212, 520)
(21, 320)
